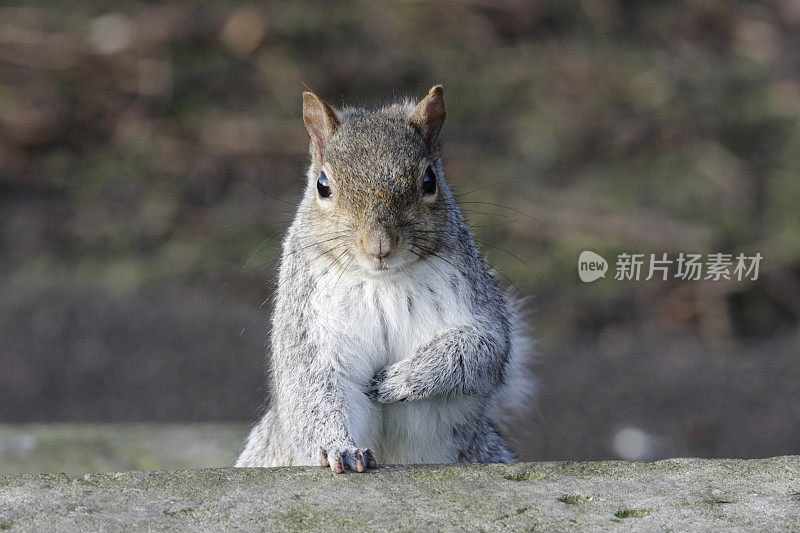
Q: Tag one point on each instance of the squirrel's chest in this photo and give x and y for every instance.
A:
(374, 323)
(385, 320)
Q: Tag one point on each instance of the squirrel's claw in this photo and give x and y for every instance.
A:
(369, 458)
(350, 458)
(359, 467)
(337, 465)
(373, 388)
(323, 458)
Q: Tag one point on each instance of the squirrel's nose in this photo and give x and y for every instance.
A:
(379, 245)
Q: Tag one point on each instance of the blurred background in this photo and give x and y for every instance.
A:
(151, 157)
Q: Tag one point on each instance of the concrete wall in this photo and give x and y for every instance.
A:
(676, 494)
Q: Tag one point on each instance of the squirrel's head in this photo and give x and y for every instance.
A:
(376, 194)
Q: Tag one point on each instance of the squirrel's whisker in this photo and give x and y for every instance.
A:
(501, 249)
(523, 213)
(460, 195)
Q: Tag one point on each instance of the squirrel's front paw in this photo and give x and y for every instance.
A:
(343, 458)
(373, 388)
(389, 386)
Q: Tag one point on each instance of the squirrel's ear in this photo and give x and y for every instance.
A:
(429, 115)
(321, 122)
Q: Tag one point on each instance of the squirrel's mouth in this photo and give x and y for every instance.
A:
(381, 266)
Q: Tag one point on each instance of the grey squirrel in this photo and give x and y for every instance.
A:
(390, 337)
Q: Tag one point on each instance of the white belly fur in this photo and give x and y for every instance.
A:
(371, 324)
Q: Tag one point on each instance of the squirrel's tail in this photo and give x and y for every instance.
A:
(517, 397)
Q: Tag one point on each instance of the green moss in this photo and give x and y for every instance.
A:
(633, 513)
(615, 468)
(521, 510)
(591, 469)
(434, 474)
(525, 475)
(574, 498)
(8, 524)
(664, 466)
(184, 511)
(304, 518)
(89, 479)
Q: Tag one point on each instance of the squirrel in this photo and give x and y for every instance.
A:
(391, 338)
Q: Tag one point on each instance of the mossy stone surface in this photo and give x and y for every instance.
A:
(677, 494)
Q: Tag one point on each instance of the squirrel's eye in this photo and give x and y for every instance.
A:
(323, 186)
(429, 182)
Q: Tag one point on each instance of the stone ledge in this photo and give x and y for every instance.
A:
(674, 494)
